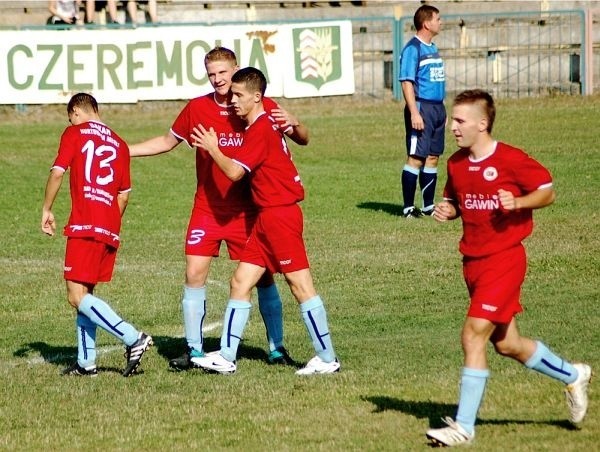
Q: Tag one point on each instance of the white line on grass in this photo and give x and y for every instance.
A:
(102, 350)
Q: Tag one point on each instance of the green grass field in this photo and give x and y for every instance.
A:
(393, 290)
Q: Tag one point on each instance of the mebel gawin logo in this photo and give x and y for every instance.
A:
(317, 55)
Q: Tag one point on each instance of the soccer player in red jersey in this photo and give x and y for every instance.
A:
(275, 244)
(494, 188)
(223, 210)
(100, 182)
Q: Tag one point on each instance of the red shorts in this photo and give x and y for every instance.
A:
(494, 283)
(276, 241)
(89, 261)
(206, 232)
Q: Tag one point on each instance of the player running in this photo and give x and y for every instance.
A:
(494, 188)
(100, 183)
(223, 210)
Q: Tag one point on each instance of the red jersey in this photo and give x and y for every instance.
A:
(274, 179)
(99, 170)
(214, 188)
(474, 185)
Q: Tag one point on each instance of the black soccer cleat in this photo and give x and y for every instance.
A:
(184, 362)
(78, 371)
(134, 353)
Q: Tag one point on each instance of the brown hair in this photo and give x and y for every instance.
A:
(423, 14)
(252, 78)
(84, 101)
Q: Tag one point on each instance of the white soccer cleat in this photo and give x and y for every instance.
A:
(453, 435)
(317, 366)
(214, 362)
(576, 393)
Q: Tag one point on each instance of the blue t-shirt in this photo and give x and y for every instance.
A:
(421, 64)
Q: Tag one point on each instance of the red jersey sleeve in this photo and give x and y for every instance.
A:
(66, 149)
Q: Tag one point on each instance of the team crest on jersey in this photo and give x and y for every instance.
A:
(490, 173)
(317, 55)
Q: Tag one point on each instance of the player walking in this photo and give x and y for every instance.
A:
(100, 183)
(494, 188)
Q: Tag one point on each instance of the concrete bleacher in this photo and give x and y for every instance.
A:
(35, 12)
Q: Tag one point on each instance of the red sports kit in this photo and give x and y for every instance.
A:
(276, 240)
(223, 210)
(99, 163)
(494, 258)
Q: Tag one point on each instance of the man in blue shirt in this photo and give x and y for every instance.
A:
(423, 86)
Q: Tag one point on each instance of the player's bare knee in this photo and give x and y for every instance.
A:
(506, 348)
(73, 300)
(432, 161)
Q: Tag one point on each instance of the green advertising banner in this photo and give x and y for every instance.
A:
(167, 62)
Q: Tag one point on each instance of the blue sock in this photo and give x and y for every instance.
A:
(99, 312)
(315, 319)
(547, 363)
(472, 386)
(269, 304)
(236, 318)
(86, 341)
(427, 181)
(193, 305)
(410, 176)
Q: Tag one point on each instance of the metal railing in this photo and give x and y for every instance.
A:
(511, 55)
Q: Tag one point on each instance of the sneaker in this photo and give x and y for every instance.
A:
(576, 393)
(453, 435)
(77, 370)
(134, 353)
(317, 366)
(427, 213)
(413, 212)
(280, 356)
(215, 362)
(184, 362)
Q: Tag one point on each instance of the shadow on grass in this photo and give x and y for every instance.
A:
(172, 347)
(434, 412)
(392, 209)
(61, 356)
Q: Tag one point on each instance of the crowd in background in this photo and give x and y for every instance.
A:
(85, 12)
(78, 12)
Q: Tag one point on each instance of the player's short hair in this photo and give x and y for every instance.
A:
(423, 14)
(220, 54)
(84, 101)
(252, 78)
(483, 99)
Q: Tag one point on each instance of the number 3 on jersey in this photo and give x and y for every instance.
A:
(105, 172)
(195, 236)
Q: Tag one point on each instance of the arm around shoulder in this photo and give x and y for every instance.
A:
(154, 146)
(299, 134)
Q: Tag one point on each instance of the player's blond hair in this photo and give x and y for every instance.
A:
(481, 98)
(220, 54)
